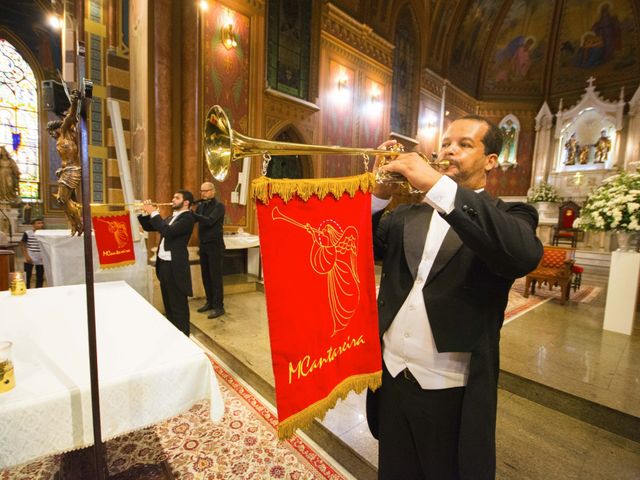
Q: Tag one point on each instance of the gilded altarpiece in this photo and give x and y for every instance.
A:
(225, 82)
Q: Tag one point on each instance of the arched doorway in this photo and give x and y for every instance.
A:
(289, 166)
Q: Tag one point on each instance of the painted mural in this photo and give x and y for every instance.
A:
(471, 38)
(600, 40)
(225, 83)
(516, 64)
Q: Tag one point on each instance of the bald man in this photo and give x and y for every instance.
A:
(209, 214)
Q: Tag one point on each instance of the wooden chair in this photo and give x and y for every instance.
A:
(564, 232)
(555, 269)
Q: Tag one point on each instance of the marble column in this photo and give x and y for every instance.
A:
(162, 149)
(192, 115)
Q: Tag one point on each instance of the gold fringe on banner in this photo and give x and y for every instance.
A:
(264, 188)
(357, 383)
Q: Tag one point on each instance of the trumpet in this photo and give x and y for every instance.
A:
(135, 204)
(223, 145)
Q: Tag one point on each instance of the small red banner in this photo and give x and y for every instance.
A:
(114, 240)
(320, 289)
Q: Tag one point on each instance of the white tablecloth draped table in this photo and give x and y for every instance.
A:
(251, 243)
(148, 370)
(63, 258)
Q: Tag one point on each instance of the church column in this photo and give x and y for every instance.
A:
(632, 151)
(162, 151)
(190, 93)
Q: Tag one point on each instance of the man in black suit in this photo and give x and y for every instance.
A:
(172, 259)
(448, 265)
(209, 214)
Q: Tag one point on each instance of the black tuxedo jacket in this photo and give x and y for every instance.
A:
(176, 238)
(210, 217)
(489, 245)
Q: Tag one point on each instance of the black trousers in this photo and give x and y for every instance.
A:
(28, 268)
(211, 261)
(176, 303)
(418, 430)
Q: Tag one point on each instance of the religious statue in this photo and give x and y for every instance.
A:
(65, 134)
(584, 154)
(571, 146)
(509, 137)
(9, 177)
(603, 145)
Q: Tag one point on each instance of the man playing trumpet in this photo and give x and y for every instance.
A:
(172, 259)
(448, 265)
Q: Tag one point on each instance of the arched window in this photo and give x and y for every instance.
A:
(19, 132)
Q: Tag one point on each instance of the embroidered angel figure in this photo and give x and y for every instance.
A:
(334, 253)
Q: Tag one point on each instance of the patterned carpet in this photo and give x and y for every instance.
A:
(519, 305)
(242, 446)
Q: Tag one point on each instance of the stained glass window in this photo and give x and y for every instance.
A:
(19, 132)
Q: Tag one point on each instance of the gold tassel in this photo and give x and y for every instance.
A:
(357, 383)
(264, 188)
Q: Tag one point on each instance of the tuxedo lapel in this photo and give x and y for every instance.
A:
(450, 245)
(416, 225)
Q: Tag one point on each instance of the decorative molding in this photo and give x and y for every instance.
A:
(456, 98)
(289, 98)
(355, 34)
(354, 57)
(280, 112)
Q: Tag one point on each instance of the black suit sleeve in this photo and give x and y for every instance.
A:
(501, 234)
(180, 227)
(146, 224)
(217, 213)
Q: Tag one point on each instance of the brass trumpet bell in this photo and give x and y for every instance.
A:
(223, 145)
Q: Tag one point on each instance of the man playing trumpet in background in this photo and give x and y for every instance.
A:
(172, 259)
(448, 265)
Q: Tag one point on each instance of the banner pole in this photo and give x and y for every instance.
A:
(83, 150)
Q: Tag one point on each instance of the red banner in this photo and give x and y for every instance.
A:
(317, 257)
(114, 240)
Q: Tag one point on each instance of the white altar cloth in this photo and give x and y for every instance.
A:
(63, 258)
(148, 370)
(251, 243)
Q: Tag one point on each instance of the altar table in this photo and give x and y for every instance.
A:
(63, 259)
(148, 370)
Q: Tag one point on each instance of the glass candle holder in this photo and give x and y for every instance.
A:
(17, 283)
(7, 375)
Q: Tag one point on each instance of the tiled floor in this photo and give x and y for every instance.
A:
(560, 346)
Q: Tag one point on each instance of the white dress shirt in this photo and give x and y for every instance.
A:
(409, 343)
(162, 253)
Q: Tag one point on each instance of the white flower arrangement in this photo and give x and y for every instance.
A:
(543, 192)
(614, 205)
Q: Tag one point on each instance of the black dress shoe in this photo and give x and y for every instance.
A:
(204, 308)
(218, 312)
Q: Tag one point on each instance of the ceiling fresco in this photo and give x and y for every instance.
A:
(496, 49)
(597, 37)
(516, 64)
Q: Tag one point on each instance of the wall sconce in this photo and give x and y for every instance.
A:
(375, 94)
(204, 6)
(54, 21)
(229, 37)
(342, 83)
